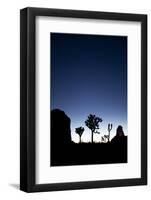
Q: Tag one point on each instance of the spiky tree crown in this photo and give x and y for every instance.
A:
(79, 130)
(93, 122)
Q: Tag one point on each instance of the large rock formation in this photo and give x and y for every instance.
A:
(60, 128)
(120, 138)
(60, 139)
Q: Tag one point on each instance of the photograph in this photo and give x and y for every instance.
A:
(88, 99)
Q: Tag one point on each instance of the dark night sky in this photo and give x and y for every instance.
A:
(89, 75)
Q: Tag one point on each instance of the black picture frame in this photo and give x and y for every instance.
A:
(28, 98)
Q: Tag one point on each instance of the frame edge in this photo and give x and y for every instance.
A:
(23, 100)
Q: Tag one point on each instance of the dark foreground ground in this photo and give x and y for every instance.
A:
(88, 153)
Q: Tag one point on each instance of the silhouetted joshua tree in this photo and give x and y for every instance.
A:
(92, 123)
(104, 138)
(79, 131)
(110, 126)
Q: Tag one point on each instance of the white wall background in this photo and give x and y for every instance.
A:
(9, 98)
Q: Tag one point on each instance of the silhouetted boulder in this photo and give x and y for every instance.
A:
(120, 138)
(60, 139)
(60, 128)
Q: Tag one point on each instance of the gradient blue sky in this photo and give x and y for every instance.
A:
(89, 75)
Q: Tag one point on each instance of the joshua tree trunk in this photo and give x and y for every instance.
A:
(109, 129)
(92, 136)
(109, 137)
(80, 139)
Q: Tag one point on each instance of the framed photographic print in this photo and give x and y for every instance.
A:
(83, 99)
